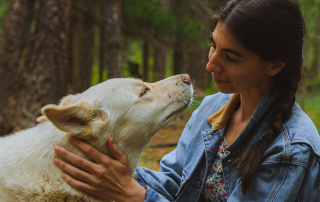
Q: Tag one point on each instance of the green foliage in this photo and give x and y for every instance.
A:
(311, 13)
(3, 7)
(147, 19)
(312, 107)
(188, 30)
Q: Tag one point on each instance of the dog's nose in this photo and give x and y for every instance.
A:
(186, 78)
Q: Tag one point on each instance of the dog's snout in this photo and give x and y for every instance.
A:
(186, 78)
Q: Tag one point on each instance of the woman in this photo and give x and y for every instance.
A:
(256, 145)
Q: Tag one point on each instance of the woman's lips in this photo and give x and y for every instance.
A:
(219, 81)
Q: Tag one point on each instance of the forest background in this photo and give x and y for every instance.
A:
(51, 48)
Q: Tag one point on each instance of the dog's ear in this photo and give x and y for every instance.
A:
(65, 101)
(68, 100)
(76, 119)
(42, 119)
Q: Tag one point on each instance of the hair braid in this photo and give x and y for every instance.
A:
(273, 29)
(282, 107)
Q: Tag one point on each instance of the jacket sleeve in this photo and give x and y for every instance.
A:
(162, 185)
(296, 180)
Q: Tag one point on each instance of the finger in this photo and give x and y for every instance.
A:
(116, 152)
(75, 172)
(77, 184)
(75, 159)
(87, 149)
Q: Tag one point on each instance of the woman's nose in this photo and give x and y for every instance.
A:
(213, 64)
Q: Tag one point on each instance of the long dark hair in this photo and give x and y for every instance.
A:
(273, 29)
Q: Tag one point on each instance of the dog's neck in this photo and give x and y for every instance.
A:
(133, 155)
(132, 149)
(130, 143)
(37, 147)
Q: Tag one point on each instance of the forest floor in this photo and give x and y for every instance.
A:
(151, 157)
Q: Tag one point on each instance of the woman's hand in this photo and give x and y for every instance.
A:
(107, 178)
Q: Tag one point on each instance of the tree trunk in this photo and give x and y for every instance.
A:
(159, 66)
(102, 52)
(75, 37)
(45, 71)
(84, 56)
(177, 58)
(145, 60)
(113, 37)
(196, 66)
(11, 48)
(180, 10)
(198, 56)
(160, 50)
(134, 69)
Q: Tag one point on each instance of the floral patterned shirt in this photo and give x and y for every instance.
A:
(214, 189)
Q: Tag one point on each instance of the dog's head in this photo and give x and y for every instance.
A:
(127, 109)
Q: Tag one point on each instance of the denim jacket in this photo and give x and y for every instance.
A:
(289, 171)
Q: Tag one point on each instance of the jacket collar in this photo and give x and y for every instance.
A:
(219, 119)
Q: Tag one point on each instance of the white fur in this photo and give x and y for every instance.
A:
(110, 109)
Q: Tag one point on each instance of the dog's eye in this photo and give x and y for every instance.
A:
(144, 91)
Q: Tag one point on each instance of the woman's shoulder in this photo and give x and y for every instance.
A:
(209, 105)
(301, 130)
(216, 100)
(212, 103)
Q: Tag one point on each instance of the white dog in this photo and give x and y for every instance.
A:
(129, 110)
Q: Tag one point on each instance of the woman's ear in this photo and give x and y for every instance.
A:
(275, 67)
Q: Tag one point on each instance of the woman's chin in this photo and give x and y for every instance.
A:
(225, 90)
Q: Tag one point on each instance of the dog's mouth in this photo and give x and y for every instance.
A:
(176, 112)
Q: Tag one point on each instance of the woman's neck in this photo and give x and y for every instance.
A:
(248, 104)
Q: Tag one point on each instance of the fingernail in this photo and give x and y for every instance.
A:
(64, 176)
(59, 149)
(56, 161)
(56, 148)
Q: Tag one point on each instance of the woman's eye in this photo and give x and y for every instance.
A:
(145, 90)
(230, 59)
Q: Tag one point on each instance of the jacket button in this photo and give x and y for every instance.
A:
(210, 136)
(198, 184)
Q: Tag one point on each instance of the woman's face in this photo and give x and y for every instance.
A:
(234, 68)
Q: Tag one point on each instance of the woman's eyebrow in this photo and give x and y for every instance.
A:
(229, 50)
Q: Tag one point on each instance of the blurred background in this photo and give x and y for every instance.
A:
(51, 48)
